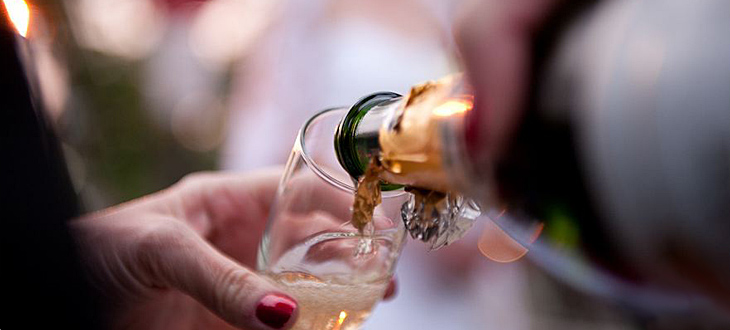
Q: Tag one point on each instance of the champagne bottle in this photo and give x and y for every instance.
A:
(419, 140)
(408, 137)
(412, 135)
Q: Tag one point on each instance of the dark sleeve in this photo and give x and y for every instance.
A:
(40, 276)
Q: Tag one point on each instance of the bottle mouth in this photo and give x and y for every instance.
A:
(321, 170)
(347, 155)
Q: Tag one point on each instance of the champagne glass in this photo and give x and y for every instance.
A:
(311, 249)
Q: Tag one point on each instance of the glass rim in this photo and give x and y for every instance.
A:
(314, 167)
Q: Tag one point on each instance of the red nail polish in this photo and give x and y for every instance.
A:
(275, 310)
(390, 291)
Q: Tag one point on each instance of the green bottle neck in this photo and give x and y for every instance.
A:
(357, 136)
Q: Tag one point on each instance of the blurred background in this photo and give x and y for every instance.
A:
(143, 92)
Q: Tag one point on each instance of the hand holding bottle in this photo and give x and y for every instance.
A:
(495, 41)
(614, 119)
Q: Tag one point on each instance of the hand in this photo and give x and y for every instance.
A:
(495, 43)
(178, 259)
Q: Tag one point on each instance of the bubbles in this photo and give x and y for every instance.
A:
(365, 247)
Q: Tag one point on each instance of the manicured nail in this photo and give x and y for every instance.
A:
(390, 291)
(275, 310)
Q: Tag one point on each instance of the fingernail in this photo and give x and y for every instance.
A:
(275, 310)
(390, 291)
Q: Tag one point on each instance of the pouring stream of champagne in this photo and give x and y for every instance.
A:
(411, 155)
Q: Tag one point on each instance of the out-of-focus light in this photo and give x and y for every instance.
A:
(645, 60)
(224, 30)
(198, 122)
(340, 320)
(562, 229)
(19, 14)
(343, 316)
(452, 107)
(497, 245)
(54, 78)
(124, 28)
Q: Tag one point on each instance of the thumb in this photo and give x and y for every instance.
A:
(178, 258)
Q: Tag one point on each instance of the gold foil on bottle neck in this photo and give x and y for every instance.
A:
(411, 147)
(411, 154)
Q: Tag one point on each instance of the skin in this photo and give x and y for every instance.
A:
(182, 258)
(494, 42)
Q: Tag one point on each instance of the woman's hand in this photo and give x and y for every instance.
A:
(180, 258)
(160, 259)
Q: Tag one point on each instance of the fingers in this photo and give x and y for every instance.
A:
(494, 40)
(208, 201)
(174, 256)
(228, 209)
